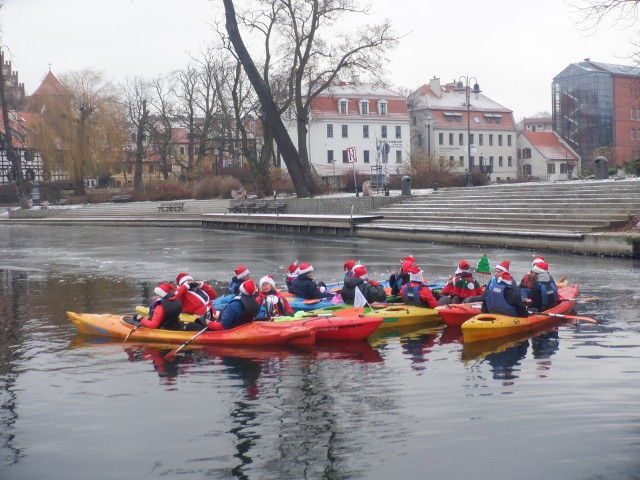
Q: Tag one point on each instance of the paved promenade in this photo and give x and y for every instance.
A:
(583, 217)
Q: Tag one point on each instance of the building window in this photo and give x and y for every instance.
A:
(419, 140)
(480, 139)
(461, 139)
(329, 156)
(366, 156)
(563, 168)
(345, 131)
(441, 139)
(499, 161)
(364, 107)
(499, 140)
(451, 160)
(345, 156)
(491, 161)
(510, 161)
(508, 140)
(551, 168)
(526, 170)
(383, 131)
(451, 139)
(181, 150)
(398, 131)
(329, 130)
(382, 107)
(343, 107)
(632, 117)
(461, 161)
(633, 134)
(398, 156)
(365, 131)
(491, 140)
(414, 120)
(471, 139)
(526, 153)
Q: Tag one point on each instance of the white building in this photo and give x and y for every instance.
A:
(543, 155)
(470, 130)
(361, 121)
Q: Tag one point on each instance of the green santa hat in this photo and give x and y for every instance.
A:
(483, 265)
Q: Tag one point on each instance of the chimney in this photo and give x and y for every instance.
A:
(434, 84)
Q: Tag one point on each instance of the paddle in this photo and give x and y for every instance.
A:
(568, 317)
(582, 299)
(173, 353)
(312, 301)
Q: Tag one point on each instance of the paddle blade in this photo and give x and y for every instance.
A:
(171, 355)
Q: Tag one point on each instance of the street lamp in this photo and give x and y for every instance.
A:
(466, 85)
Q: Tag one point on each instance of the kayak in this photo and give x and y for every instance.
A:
(330, 327)
(393, 315)
(457, 314)
(255, 333)
(489, 325)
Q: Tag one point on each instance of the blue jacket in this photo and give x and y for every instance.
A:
(307, 288)
(242, 309)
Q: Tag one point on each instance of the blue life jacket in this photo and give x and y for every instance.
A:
(496, 301)
(548, 303)
(411, 296)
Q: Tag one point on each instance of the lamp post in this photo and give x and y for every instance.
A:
(466, 85)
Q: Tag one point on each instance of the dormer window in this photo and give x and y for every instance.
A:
(343, 106)
(382, 107)
(364, 107)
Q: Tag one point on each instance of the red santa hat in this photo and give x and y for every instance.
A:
(360, 271)
(183, 278)
(406, 266)
(503, 266)
(540, 267)
(349, 264)
(463, 267)
(241, 271)
(408, 258)
(163, 290)
(248, 288)
(267, 279)
(537, 259)
(292, 270)
(505, 277)
(305, 268)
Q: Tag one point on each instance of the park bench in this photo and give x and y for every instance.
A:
(276, 207)
(120, 198)
(261, 207)
(171, 207)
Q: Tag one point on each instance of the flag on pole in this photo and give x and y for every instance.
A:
(359, 299)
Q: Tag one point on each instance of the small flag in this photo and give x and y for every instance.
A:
(359, 300)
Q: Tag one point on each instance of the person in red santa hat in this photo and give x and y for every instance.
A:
(348, 267)
(372, 290)
(242, 309)
(416, 291)
(543, 292)
(304, 285)
(461, 287)
(291, 275)
(272, 302)
(398, 279)
(196, 297)
(502, 295)
(527, 280)
(241, 274)
(165, 310)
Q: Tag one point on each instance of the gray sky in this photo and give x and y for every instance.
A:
(513, 48)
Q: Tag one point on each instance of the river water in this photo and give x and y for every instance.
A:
(412, 404)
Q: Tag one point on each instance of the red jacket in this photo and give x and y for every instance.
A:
(196, 303)
(282, 307)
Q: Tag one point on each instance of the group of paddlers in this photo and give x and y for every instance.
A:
(537, 291)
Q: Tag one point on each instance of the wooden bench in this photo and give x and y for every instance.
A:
(261, 207)
(120, 198)
(276, 207)
(171, 207)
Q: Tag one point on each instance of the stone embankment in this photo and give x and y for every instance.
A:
(579, 217)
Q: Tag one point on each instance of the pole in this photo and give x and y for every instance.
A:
(355, 183)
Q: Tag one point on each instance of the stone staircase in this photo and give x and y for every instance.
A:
(558, 209)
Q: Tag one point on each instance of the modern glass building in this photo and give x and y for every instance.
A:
(596, 105)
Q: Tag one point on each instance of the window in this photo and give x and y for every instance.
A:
(526, 170)
(345, 131)
(365, 131)
(451, 139)
(499, 140)
(491, 161)
(383, 131)
(461, 160)
(480, 139)
(633, 134)
(414, 120)
(345, 156)
(510, 161)
(526, 153)
(419, 140)
(366, 156)
(181, 150)
(329, 156)
(632, 117)
(461, 139)
(563, 168)
(551, 168)
(364, 107)
(441, 139)
(491, 139)
(499, 161)
(471, 139)
(398, 131)
(382, 107)
(509, 140)
(343, 107)
(329, 130)
(398, 156)
(451, 160)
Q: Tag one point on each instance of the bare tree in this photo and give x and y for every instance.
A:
(136, 94)
(160, 124)
(592, 13)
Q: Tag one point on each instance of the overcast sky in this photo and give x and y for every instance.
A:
(513, 48)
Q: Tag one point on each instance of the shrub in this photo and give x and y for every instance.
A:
(215, 186)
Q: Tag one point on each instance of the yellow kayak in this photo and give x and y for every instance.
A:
(184, 317)
(394, 316)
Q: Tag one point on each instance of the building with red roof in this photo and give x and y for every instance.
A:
(545, 156)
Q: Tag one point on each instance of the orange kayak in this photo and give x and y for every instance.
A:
(255, 333)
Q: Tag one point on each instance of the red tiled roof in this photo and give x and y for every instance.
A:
(326, 105)
(50, 86)
(549, 145)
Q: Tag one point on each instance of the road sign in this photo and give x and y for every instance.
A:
(351, 155)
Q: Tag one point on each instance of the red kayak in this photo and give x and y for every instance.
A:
(457, 314)
(330, 327)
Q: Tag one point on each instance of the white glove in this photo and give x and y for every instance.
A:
(272, 300)
(322, 289)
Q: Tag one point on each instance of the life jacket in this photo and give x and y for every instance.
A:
(234, 286)
(548, 302)
(172, 310)
(496, 301)
(251, 309)
(268, 311)
(411, 295)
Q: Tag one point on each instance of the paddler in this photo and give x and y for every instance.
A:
(241, 274)
(275, 303)
(304, 285)
(165, 310)
(416, 292)
(196, 298)
(372, 290)
(543, 292)
(502, 295)
(461, 287)
(242, 309)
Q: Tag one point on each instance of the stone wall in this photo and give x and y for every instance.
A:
(334, 205)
